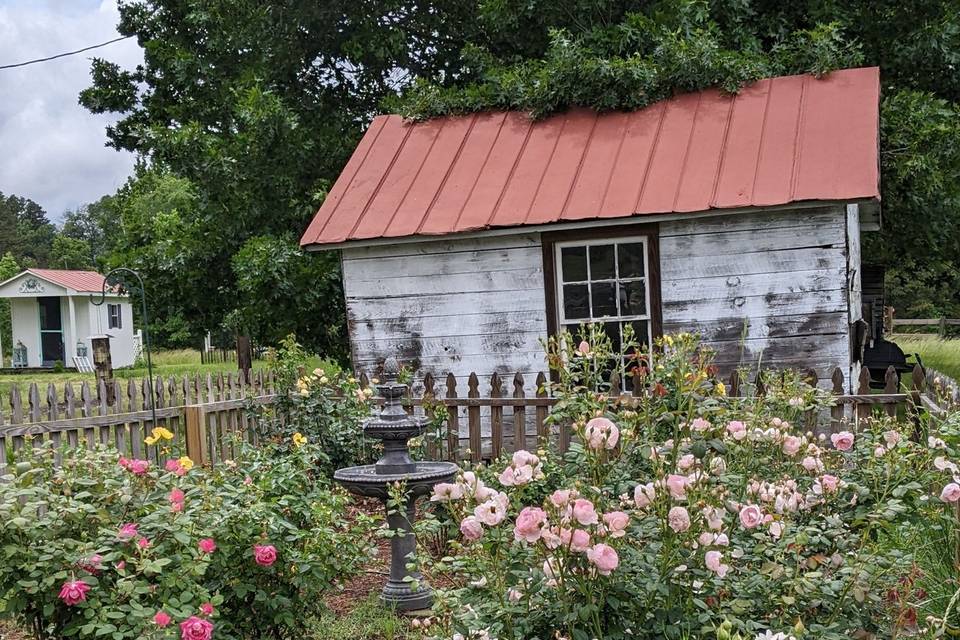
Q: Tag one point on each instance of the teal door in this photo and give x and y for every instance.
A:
(51, 331)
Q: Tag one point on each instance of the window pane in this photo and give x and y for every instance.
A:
(633, 298)
(612, 329)
(573, 264)
(631, 260)
(601, 262)
(604, 299)
(575, 302)
(641, 333)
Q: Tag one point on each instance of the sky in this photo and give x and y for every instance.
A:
(52, 150)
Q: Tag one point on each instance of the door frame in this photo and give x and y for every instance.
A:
(63, 345)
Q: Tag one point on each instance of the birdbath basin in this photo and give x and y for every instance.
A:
(405, 590)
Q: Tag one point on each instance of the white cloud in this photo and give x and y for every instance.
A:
(51, 148)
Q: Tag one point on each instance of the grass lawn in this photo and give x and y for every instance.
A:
(942, 355)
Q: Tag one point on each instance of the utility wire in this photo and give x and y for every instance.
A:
(63, 55)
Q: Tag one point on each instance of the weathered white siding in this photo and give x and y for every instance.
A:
(763, 287)
(461, 306)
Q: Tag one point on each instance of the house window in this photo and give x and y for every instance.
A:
(606, 281)
(114, 319)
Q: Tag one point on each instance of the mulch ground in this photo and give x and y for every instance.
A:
(358, 589)
(8, 632)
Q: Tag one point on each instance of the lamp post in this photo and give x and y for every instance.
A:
(146, 324)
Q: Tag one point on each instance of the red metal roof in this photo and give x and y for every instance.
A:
(82, 281)
(778, 141)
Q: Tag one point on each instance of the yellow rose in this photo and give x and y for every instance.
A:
(324, 380)
(160, 433)
(298, 439)
(186, 463)
(150, 440)
(720, 389)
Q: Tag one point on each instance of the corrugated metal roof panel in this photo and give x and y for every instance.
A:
(82, 281)
(778, 141)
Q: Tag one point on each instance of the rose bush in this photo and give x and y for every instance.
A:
(685, 513)
(326, 408)
(101, 547)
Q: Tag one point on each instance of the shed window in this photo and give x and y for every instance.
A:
(114, 318)
(605, 281)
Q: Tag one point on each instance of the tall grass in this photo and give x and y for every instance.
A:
(942, 355)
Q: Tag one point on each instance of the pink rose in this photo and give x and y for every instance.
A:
(686, 462)
(471, 528)
(616, 523)
(584, 348)
(677, 485)
(791, 445)
(516, 476)
(195, 628)
(584, 512)
(842, 441)
(162, 619)
(139, 467)
(644, 494)
(950, 493)
(678, 519)
(829, 483)
(529, 523)
(128, 531)
(714, 562)
(174, 466)
(492, 511)
(445, 492)
(264, 554)
(206, 609)
(812, 464)
(121, 565)
(700, 425)
(550, 537)
(92, 564)
(176, 496)
(207, 545)
(123, 462)
(143, 543)
(891, 438)
(523, 458)
(604, 558)
(578, 540)
(562, 497)
(751, 516)
(601, 433)
(73, 592)
(737, 429)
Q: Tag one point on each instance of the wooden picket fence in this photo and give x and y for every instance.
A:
(208, 415)
(480, 427)
(203, 413)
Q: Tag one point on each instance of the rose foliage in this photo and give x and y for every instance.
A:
(685, 513)
(96, 548)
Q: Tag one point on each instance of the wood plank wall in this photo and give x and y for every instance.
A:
(768, 287)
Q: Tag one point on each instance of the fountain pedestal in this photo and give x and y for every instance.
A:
(405, 590)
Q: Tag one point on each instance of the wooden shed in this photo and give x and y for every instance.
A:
(466, 240)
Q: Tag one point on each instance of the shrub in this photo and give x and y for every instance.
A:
(327, 408)
(100, 548)
(688, 514)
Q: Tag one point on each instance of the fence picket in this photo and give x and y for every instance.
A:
(836, 411)
(541, 412)
(453, 421)
(891, 380)
(863, 388)
(496, 418)
(473, 419)
(519, 415)
(429, 398)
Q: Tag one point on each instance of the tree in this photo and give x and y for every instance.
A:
(25, 230)
(97, 224)
(8, 269)
(547, 55)
(257, 104)
(70, 253)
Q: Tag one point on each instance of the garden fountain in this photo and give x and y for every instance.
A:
(405, 590)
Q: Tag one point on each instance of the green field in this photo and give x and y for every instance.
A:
(942, 355)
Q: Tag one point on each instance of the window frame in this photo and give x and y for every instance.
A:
(552, 241)
(110, 307)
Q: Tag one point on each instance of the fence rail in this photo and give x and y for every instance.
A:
(207, 416)
(940, 323)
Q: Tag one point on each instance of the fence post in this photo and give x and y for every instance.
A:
(919, 384)
(197, 446)
(836, 411)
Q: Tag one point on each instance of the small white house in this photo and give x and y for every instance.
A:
(54, 316)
